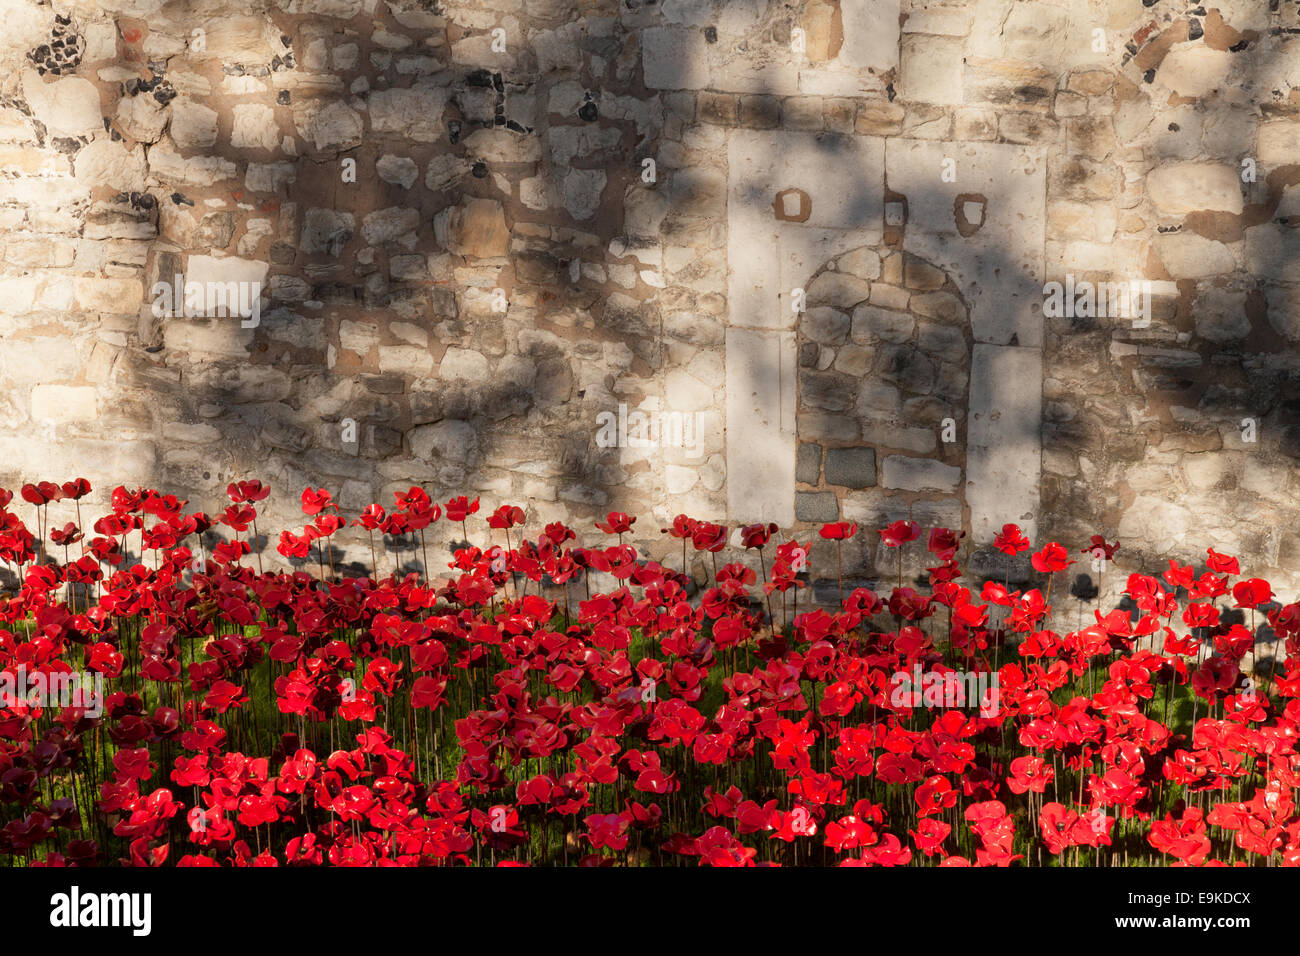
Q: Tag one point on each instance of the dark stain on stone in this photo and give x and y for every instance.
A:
(965, 227)
(1220, 226)
(803, 212)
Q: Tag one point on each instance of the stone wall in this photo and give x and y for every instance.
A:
(816, 234)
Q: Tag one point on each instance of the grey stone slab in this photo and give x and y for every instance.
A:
(808, 466)
(919, 474)
(816, 506)
(871, 31)
(851, 467)
(767, 258)
(760, 425)
(999, 268)
(1004, 447)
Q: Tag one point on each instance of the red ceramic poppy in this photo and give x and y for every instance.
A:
(1011, 540)
(899, 533)
(839, 530)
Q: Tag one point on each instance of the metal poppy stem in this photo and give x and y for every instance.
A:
(839, 564)
(256, 546)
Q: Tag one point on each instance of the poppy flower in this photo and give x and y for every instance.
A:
(756, 535)
(315, 501)
(943, 542)
(1056, 823)
(839, 530)
(1184, 839)
(68, 534)
(1011, 540)
(293, 546)
(49, 491)
(1235, 643)
(1098, 548)
(73, 490)
(557, 533)
(507, 516)
(1221, 563)
(709, 537)
(888, 852)
(616, 522)
(607, 830)
(1029, 774)
(849, 833)
(1179, 576)
(790, 826)
(617, 697)
(1051, 558)
(929, 835)
(683, 527)
(935, 796)
(1252, 593)
(245, 491)
(899, 533)
(460, 508)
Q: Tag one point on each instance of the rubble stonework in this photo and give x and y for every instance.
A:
(820, 231)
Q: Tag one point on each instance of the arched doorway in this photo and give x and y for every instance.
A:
(884, 358)
(799, 199)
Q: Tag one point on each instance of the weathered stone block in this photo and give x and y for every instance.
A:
(64, 403)
(919, 474)
(808, 467)
(851, 467)
(820, 506)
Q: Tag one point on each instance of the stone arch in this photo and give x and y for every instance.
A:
(884, 365)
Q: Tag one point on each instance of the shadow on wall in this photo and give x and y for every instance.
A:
(484, 177)
(1221, 349)
(381, 356)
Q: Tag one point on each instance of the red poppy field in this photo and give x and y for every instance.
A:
(497, 709)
